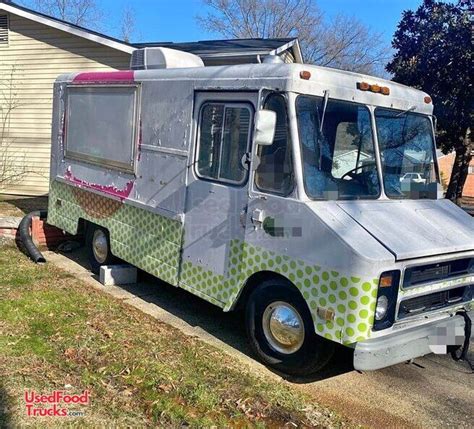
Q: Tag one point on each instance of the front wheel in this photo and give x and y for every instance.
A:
(281, 330)
(98, 247)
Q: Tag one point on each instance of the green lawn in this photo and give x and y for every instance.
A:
(56, 331)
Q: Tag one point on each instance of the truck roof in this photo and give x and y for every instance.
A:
(284, 77)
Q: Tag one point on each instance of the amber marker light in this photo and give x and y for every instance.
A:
(385, 90)
(427, 99)
(375, 88)
(386, 280)
(363, 86)
(305, 74)
(325, 314)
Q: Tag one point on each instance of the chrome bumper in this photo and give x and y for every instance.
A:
(408, 344)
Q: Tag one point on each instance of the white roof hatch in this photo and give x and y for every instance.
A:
(163, 58)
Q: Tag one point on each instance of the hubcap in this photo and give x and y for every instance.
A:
(100, 247)
(283, 327)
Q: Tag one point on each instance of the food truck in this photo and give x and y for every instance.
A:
(280, 189)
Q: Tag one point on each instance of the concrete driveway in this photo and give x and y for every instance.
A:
(431, 392)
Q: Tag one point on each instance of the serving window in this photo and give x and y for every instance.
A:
(101, 125)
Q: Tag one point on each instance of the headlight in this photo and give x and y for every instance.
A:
(386, 303)
(381, 308)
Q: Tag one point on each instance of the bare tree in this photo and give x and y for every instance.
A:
(346, 43)
(12, 166)
(261, 18)
(128, 23)
(79, 12)
(343, 42)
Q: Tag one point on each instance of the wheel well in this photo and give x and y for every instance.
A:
(254, 280)
(81, 226)
(84, 225)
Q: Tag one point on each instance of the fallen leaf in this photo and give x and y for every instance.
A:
(70, 352)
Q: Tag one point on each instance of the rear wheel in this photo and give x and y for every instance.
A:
(98, 247)
(281, 330)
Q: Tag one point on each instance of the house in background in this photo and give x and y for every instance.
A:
(446, 163)
(36, 48)
(236, 51)
(469, 185)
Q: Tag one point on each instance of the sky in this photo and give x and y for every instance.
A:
(174, 20)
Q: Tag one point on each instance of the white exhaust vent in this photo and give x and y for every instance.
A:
(163, 58)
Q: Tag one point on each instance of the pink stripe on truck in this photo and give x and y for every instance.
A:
(101, 77)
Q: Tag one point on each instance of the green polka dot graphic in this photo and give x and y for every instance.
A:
(153, 243)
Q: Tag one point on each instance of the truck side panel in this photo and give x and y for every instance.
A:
(142, 210)
(158, 181)
(148, 240)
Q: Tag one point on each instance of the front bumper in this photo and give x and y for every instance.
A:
(408, 344)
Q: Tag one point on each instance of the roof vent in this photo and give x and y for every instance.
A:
(3, 29)
(163, 58)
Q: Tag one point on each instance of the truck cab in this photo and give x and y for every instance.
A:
(278, 188)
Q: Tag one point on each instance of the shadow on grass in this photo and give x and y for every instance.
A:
(226, 327)
(5, 402)
(26, 204)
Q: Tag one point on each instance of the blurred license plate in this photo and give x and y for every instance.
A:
(445, 336)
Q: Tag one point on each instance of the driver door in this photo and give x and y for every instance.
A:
(217, 193)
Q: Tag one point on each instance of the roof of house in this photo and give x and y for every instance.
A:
(59, 24)
(206, 49)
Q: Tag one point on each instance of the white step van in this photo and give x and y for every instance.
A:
(283, 189)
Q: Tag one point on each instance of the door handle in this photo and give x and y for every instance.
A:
(258, 216)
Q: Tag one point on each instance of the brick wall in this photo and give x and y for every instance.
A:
(468, 190)
(446, 167)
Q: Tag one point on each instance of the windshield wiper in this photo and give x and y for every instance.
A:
(410, 109)
(321, 123)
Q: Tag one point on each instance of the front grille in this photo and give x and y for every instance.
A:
(441, 271)
(435, 301)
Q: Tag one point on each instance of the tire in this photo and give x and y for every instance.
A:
(98, 247)
(302, 352)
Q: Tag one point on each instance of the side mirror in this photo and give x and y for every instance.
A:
(265, 124)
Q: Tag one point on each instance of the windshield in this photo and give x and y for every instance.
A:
(407, 153)
(338, 160)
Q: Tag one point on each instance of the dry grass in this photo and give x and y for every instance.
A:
(56, 331)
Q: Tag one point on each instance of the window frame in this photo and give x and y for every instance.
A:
(94, 160)
(290, 149)
(225, 103)
(367, 107)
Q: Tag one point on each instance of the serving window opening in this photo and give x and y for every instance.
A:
(101, 125)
